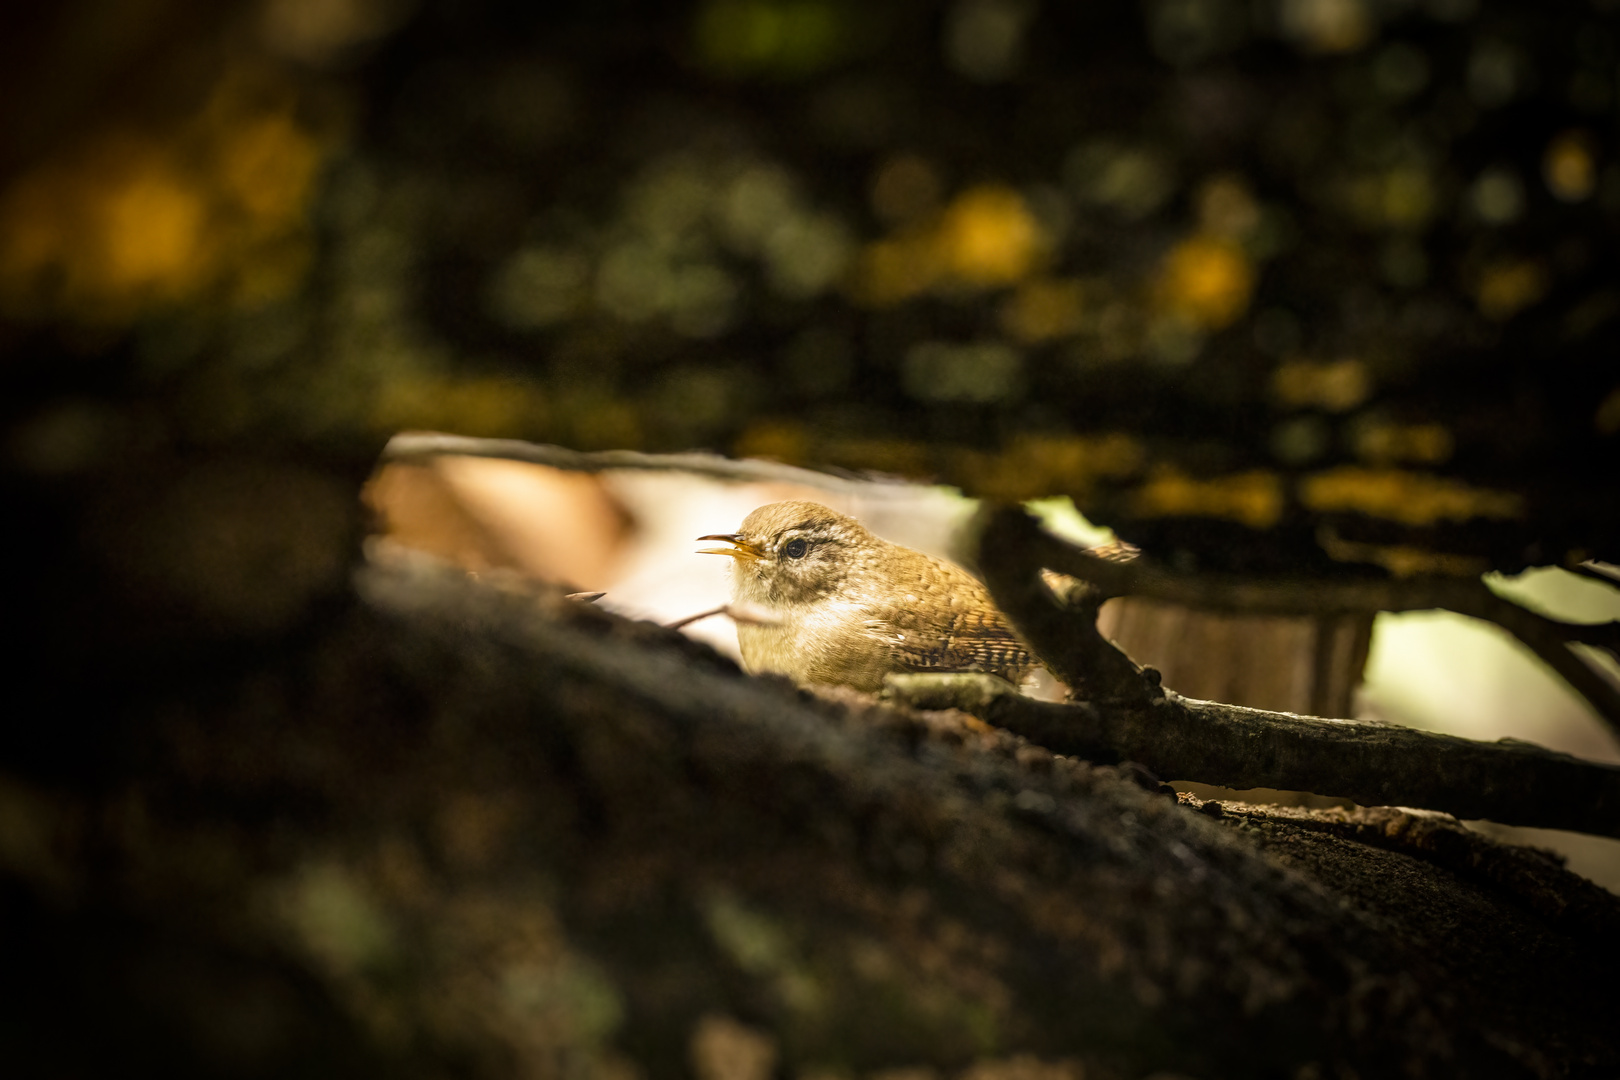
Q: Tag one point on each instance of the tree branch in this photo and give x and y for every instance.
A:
(1064, 636)
(1607, 573)
(1373, 764)
(1010, 534)
(1605, 636)
(1550, 640)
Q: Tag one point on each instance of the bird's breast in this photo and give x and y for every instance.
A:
(829, 642)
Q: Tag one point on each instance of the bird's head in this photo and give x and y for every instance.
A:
(793, 552)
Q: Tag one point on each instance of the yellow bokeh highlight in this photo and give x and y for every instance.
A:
(987, 237)
(1403, 560)
(127, 221)
(1252, 498)
(118, 227)
(1334, 385)
(1505, 289)
(1569, 167)
(150, 224)
(1028, 467)
(1206, 281)
(1410, 498)
(1034, 466)
(1384, 444)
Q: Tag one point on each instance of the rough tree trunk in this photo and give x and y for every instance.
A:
(434, 827)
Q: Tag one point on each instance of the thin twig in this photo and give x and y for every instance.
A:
(746, 614)
(679, 624)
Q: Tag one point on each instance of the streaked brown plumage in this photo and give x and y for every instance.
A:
(840, 605)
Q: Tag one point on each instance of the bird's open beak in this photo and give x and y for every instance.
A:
(741, 548)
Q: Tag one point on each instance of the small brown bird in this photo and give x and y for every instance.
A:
(847, 607)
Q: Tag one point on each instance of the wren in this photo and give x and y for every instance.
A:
(838, 605)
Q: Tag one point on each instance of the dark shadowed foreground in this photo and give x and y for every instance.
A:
(442, 829)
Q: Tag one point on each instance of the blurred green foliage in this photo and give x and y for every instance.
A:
(1339, 275)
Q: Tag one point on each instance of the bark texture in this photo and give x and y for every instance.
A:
(444, 827)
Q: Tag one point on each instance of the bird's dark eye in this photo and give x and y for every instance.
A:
(795, 549)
